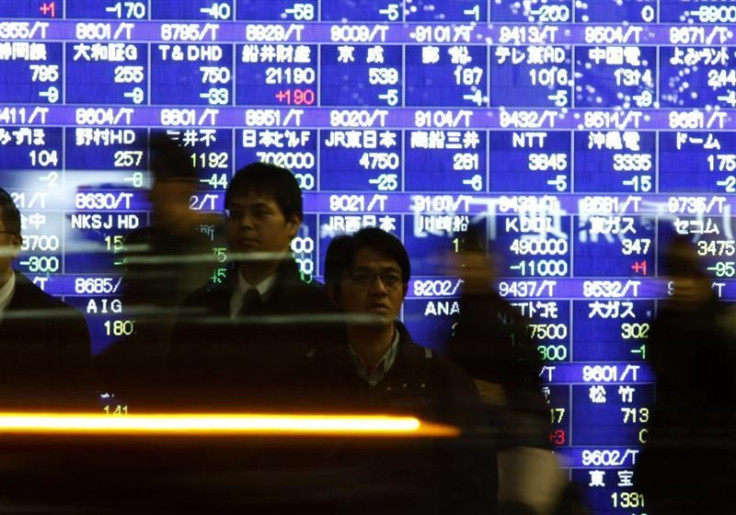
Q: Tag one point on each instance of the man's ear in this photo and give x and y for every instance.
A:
(292, 226)
(16, 242)
(334, 295)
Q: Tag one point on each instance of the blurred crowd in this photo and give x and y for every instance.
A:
(263, 338)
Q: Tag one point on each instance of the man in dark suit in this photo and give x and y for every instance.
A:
(163, 264)
(44, 343)
(241, 344)
(378, 369)
(688, 462)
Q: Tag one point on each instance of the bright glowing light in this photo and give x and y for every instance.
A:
(209, 424)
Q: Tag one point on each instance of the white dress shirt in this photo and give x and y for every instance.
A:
(375, 376)
(236, 301)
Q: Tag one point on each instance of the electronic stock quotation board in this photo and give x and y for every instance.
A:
(585, 132)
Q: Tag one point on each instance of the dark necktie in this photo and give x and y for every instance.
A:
(251, 302)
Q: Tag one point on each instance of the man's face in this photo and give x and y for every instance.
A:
(372, 286)
(257, 224)
(9, 248)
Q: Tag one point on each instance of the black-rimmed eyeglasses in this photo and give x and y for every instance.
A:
(389, 279)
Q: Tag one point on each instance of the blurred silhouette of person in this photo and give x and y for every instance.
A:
(242, 343)
(687, 463)
(492, 342)
(379, 369)
(44, 343)
(162, 264)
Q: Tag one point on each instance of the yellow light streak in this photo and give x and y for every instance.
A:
(225, 424)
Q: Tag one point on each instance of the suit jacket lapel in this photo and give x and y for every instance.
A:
(18, 302)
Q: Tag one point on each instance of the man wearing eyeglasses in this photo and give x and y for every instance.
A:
(370, 291)
(379, 369)
(241, 344)
(44, 343)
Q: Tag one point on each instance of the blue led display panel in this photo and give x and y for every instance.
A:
(585, 134)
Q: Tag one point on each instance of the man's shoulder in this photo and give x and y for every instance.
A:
(443, 369)
(415, 358)
(28, 296)
(454, 375)
(300, 292)
(309, 291)
(209, 293)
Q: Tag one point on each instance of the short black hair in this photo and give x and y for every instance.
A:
(681, 259)
(169, 161)
(343, 249)
(268, 179)
(9, 213)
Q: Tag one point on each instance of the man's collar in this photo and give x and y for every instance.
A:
(6, 292)
(287, 274)
(373, 377)
(264, 287)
